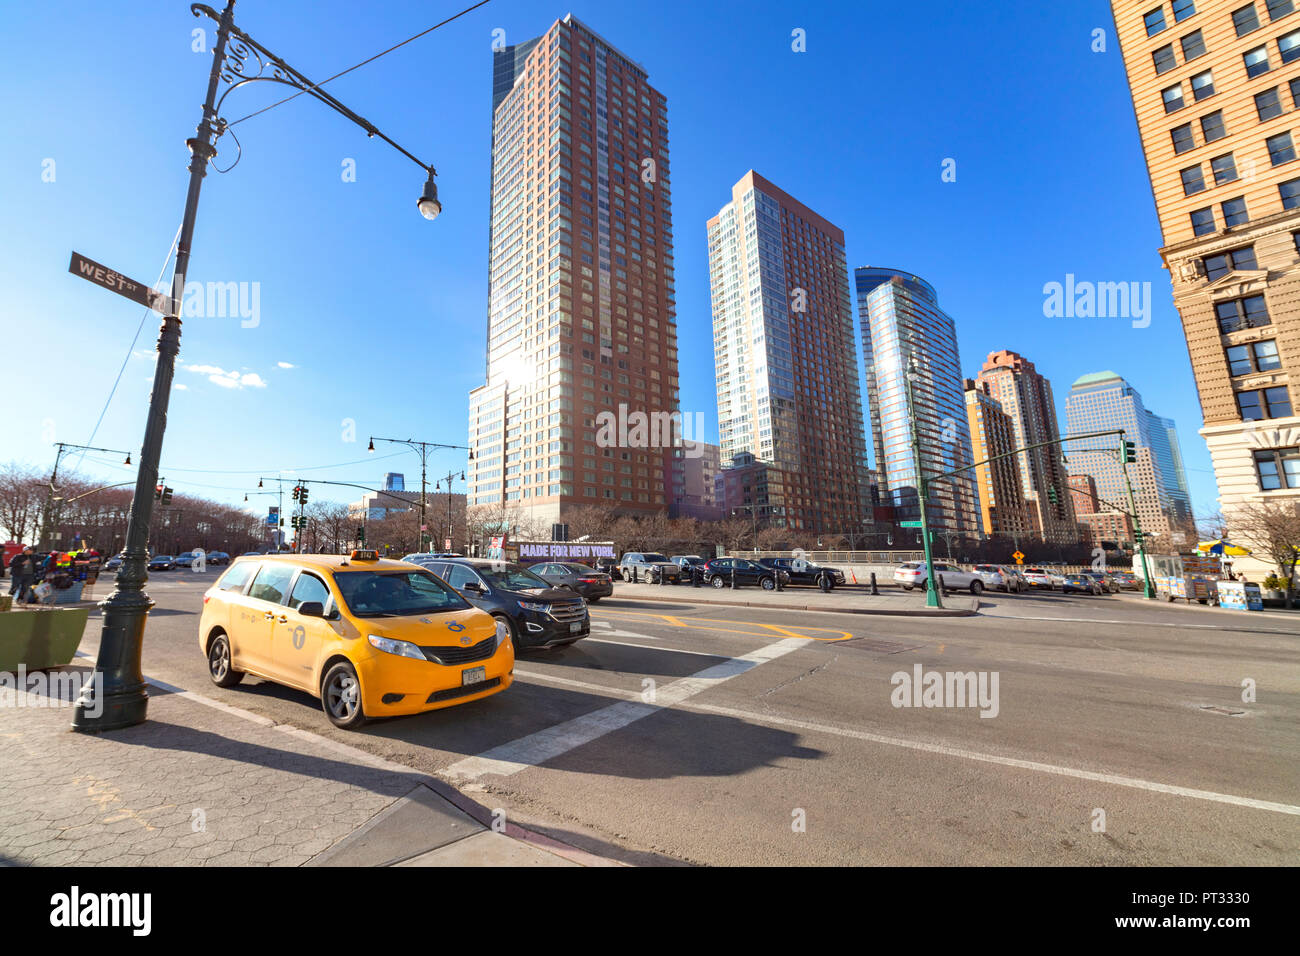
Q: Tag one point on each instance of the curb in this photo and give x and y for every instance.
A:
(761, 605)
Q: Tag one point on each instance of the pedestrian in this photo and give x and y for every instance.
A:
(23, 570)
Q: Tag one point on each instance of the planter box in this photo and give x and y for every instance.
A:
(41, 639)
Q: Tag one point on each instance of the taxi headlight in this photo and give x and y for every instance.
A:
(503, 632)
(400, 648)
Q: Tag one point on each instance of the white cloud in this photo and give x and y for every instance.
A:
(219, 376)
(182, 388)
(286, 365)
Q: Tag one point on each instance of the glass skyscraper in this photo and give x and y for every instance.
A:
(901, 320)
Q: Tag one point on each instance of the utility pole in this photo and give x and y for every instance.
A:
(47, 521)
(423, 448)
(450, 477)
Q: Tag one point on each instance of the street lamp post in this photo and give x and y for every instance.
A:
(423, 448)
(451, 475)
(932, 598)
(120, 699)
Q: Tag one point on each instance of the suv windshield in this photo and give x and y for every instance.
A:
(651, 557)
(394, 593)
(511, 577)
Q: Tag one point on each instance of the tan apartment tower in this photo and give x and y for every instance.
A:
(1026, 397)
(581, 379)
(1002, 497)
(1216, 92)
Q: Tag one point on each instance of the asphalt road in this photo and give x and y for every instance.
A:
(692, 734)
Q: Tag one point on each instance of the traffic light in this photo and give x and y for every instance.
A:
(162, 493)
(157, 492)
(302, 494)
(297, 490)
(361, 533)
(1130, 452)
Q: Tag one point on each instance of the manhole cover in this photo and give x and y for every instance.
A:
(1226, 712)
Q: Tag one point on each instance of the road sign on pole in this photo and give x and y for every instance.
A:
(103, 276)
(1020, 558)
(909, 524)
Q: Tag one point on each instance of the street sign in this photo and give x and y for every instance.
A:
(273, 517)
(1020, 558)
(909, 524)
(102, 275)
(446, 544)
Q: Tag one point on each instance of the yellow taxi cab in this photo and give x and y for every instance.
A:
(370, 637)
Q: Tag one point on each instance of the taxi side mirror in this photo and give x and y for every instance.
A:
(311, 609)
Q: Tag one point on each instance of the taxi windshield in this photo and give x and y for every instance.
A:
(395, 593)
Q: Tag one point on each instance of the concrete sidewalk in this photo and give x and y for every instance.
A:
(201, 783)
(841, 600)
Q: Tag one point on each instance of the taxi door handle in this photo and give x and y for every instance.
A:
(283, 619)
(269, 615)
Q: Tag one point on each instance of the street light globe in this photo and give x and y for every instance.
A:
(428, 202)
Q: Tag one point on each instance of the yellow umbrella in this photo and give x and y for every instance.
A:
(1222, 547)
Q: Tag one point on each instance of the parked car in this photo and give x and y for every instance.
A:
(806, 572)
(578, 578)
(690, 564)
(162, 562)
(1080, 584)
(718, 574)
(641, 564)
(537, 614)
(1108, 584)
(113, 563)
(1128, 581)
(994, 578)
(1016, 577)
(218, 558)
(1040, 578)
(368, 637)
(911, 574)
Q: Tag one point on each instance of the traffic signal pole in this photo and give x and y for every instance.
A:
(1148, 589)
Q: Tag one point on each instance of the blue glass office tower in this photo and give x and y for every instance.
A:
(900, 318)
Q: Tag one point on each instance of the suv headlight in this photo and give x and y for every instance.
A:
(533, 606)
(400, 648)
(503, 632)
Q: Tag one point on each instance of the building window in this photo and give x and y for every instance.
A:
(1224, 169)
(1235, 260)
(1234, 315)
(1212, 127)
(1290, 192)
(1164, 58)
(1279, 8)
(1203, 85)
(1173, 98)
(1182, 137)
(1234, 212)
(1280, 149)
(1288, 47)
(1268, 104)
(1264, 403)
(1183, 9)
(1194, 45)
(1155, 21)
(1278, 468)
(1256, 61)
(1202, 221)
(1245, 19)
(1193, 180)
(1255, 357)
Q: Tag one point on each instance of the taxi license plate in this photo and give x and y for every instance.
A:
(474, 675)
(575, 627)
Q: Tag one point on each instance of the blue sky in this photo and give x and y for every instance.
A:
(381, 314)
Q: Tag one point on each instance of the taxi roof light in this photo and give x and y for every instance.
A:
(365, 555)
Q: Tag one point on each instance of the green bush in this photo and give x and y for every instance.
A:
(1274, 583)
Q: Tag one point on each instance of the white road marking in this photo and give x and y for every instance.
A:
(517, 755)
(1096, 620)
(1033, 765)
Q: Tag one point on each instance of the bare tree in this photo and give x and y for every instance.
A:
(22, 498)
(1271, 529)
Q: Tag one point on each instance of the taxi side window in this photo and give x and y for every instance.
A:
(272, 582)
(237, 576)
(309, 588)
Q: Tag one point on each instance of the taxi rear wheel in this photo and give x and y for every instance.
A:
(220, 668)
(341, 697)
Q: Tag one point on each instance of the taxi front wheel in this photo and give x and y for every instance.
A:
(341, 697)
(220, 669)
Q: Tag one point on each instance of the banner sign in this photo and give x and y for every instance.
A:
(566, 550)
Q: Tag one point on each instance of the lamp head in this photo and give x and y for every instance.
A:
(428, 203)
